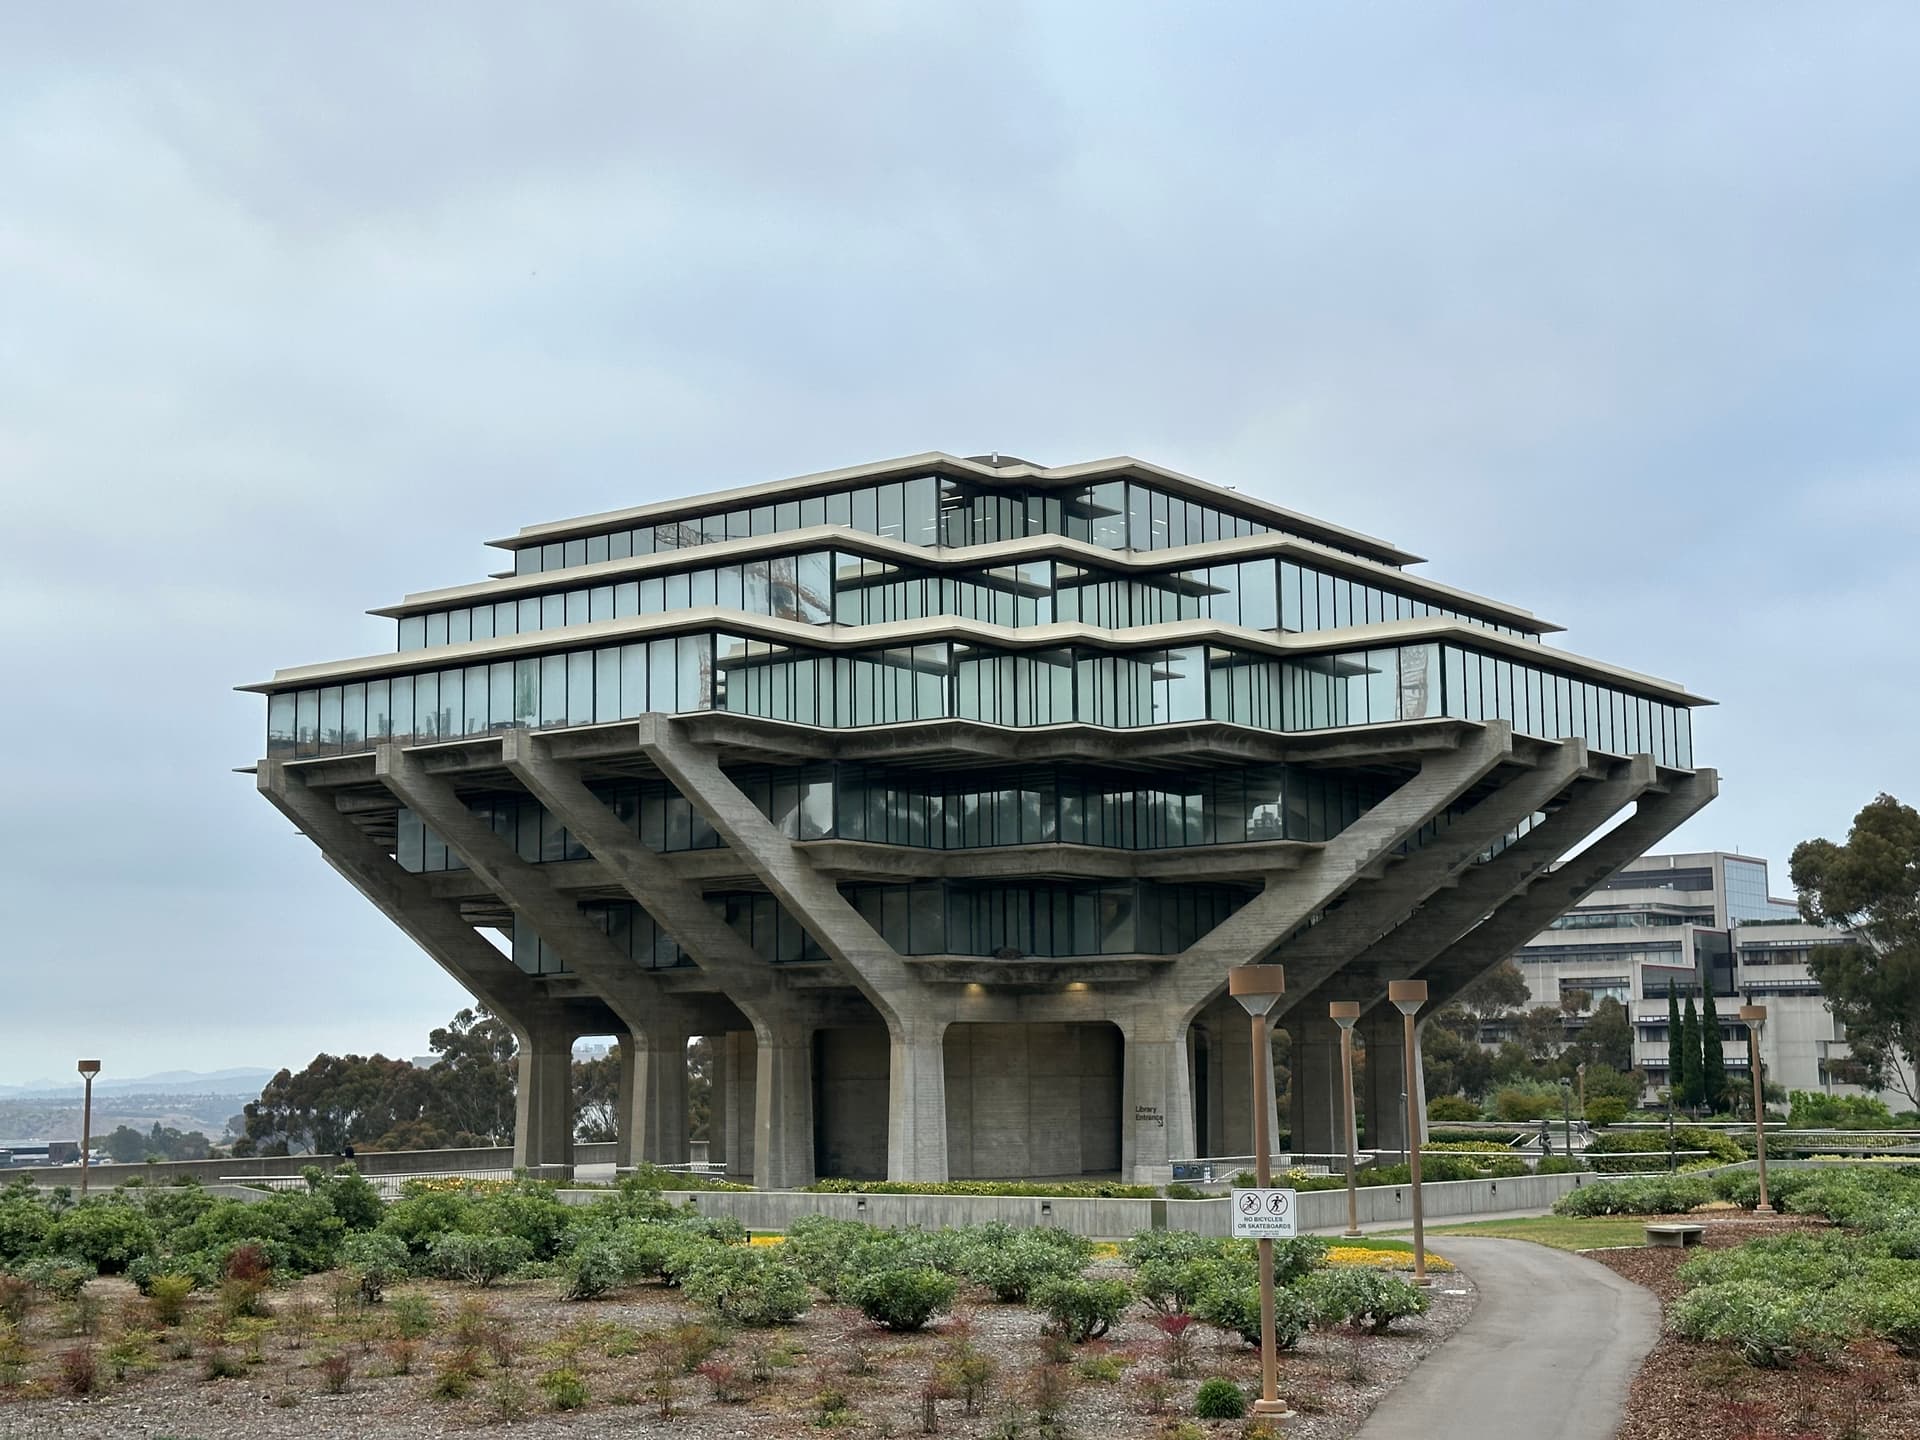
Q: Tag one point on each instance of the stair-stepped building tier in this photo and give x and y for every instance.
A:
(943, 793)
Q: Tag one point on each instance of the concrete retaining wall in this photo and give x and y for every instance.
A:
(1112, 1219)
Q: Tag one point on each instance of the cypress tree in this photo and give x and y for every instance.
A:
(1676, 1047)
(1713, 1057)
(1690, 1076)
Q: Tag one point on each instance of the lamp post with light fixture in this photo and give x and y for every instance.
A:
(1345, 1013)
(1754, 1016)
(1258, 988)
(88, 1069)
(1408, 996)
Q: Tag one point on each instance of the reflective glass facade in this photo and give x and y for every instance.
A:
(947, 679)
(932, 510)
(821, 587)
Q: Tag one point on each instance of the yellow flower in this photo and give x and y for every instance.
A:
(1382, 1259)
(767, 1240)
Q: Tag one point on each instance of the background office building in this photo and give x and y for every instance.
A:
(1679, 924)
(942, 794)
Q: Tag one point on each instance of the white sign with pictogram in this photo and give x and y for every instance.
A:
(1264, 1214)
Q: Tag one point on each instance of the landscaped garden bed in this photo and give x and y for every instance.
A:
(324, 1313)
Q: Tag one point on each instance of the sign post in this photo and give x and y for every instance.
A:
(1267, 1213)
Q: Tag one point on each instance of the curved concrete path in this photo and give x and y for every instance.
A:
(1548, 1353)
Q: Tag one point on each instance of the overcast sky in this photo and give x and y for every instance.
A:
(1612, 311)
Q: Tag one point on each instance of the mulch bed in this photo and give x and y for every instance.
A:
(1688, 1391)
(1116, 1387)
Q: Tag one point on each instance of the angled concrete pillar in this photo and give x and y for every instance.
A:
(543, 1105)
(1156, 1097)
(1383, 1094)
(783, 1110)
(545, 1027)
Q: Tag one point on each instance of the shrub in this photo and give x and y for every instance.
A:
(57, 1279)
(481, 1260)
(1768, 1324)
(1811, 1110)
(1082, 1309)
(1523, 1107)
(107, 1234)
(1236, 1307)
(1605, 1110)
(455, 1376)
(528, 1212)
(375, 1260)
(353, 1198)
(1219, 1399)
(566, 1388)
(413, 1314)
(167, 1297)
(79, 1370)
(1661, 1195)
(749, 1287)
(336, 1370)
(1452, 1107)
(593, 1269)
(1012, 1266)
(1893, 1313)
(421, 1213)
(1363, 1298)
(902, 1299)
(24, 1223)
(729, 1385)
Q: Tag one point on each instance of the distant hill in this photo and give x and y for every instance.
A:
(246, 1080)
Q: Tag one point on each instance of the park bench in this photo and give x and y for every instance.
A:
(1675, 1235)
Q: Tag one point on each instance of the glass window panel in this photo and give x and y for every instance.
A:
(576, 552)
(280, 723)
(600, 603)
(426, 706)
(597, 550)
(500, 707)
(866, 509)
(553, 689)
(552, 556)
(481, 619)
(626, 600)
(839, 508)
(527, 561)
(400, 707)
(306, 724)
(739, 524)
(576, 607)
(679, 591)
(890, 510)
(437, 628)
(620, 545)
(813, 511)
(329, 725)
(471, 717)
(727, 589)
(413, 631)
(553, 611)
(580, 687)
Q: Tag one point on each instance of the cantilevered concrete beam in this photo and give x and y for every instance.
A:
(783, 1021)
(654, 1019)
(545, 1027)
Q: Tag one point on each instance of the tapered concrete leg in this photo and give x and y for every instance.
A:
(543, 1107)
(917, 1101)
(1316, 1107)
(716, 1099)
(1156, 1121)
(1383, 1096)
(623, 1126)
(738, 1062)
(657, 1113)
(783, 1107)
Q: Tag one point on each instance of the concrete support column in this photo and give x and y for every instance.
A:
(716, 1099)
(1231, 1118)
(1383, 1096)
(783, 1106)
(543, 1106)
(1317, 1106)
(736, 1060)
(623, 1128)
(655, 1100)
(917, 1100)
(1156, 1098)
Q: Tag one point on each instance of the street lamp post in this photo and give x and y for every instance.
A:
(1345, 1013)
(1580, 1074)
(1754, 1016)
(1566, 1117)
(88, 1069)
(1258, 988)
(1408, 996)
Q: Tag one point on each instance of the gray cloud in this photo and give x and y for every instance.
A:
(1610, 311)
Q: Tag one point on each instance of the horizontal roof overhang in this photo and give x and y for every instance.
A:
(969, 557)
(1121, 467)
(835, 638)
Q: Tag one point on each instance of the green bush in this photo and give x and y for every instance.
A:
(106, 1233)
(902, 1299)
(566, 1388)
(375, 1260)
(1605, 1110)
(1219, 1399)
(25, 1223)
(352, 1197)
(1235, 1305)
(1645, 1150)
(1452, 1107)
(593, 1269)
(748, 1287)
(1082, 1309)
(1893, 1313)
(1811, 1110)
(1522, 1106)
(1011, 1265)
(481, 1260)
(1767, 1324)
(1650, 1195)
(529, 1213)
(1364, 1298)
(421, 1214)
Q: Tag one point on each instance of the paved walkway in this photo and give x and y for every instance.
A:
(1547, 1355)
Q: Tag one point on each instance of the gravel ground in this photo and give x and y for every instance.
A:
(1333, 1379)
(1686, 1391)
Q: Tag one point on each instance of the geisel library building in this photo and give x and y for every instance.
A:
(943, 793)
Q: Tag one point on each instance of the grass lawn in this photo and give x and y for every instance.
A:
(1561, 1233)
